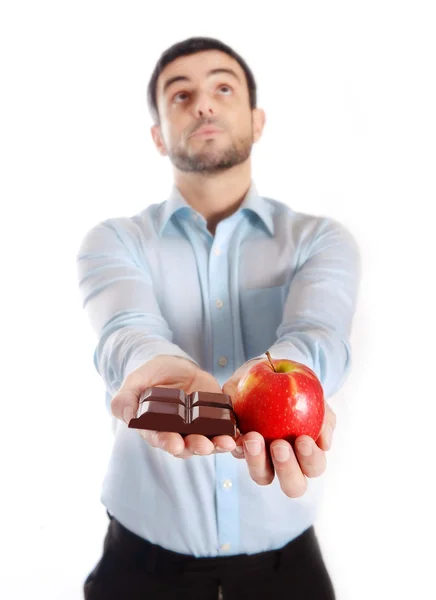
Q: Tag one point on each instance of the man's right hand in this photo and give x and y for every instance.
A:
(172, 372)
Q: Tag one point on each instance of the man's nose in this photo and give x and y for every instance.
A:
(204, 106)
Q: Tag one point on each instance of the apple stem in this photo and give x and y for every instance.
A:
(270, 361)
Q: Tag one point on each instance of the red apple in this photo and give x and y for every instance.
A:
(280, 399)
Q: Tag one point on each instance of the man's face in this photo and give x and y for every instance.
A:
(206, 122)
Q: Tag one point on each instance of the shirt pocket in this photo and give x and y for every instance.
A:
(261, 314)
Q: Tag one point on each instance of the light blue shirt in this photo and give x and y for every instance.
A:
(160, 283)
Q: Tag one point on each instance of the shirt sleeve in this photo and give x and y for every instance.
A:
(117, 294)
(320, 306)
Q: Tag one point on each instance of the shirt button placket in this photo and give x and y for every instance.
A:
(226, 484)
(226, 489)
(220, 306)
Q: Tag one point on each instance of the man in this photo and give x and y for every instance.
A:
(188, 294)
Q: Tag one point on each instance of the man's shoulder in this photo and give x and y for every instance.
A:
(284, 213)
(134, 223)
(305, 226)
(126, 230)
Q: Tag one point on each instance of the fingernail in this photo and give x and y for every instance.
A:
(328, 434)
(281, 452)
(128, 414)
(253, 447)
(219, 449)
(239, 450)
(305, 448)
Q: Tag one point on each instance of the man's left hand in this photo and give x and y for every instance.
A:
(292, 463)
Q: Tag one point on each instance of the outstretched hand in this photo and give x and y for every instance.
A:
(292, 463)
(172, 372)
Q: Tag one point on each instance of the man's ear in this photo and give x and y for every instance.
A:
(156, 134)
(259, 119)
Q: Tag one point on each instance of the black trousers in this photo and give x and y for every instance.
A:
(133, 569)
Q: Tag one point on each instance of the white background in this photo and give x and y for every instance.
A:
(349, 92)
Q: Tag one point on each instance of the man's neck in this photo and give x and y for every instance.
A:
(217, 196)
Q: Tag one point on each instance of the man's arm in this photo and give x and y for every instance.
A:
(118, 297)
(320, 306)
(135, 348)
(315, 331)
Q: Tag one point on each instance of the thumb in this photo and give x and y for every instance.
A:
(124, 404)
(162, 370)
(324, 440)
(229, 387)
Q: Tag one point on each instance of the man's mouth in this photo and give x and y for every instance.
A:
(207, 130)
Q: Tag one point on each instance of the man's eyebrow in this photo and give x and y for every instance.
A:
(217, 71)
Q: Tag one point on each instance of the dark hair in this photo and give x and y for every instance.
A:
(192, 46)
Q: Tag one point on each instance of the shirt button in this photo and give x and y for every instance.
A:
(219, 303)
(225, 547)
(222, 361)
(217, 251)
(227, 484)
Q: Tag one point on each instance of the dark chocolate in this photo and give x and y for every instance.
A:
(167, 409)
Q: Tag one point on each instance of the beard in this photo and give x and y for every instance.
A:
(210, 159)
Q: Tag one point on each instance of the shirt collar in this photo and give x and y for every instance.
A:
(252, 202)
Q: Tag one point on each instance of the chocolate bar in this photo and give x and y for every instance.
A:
(167, 409)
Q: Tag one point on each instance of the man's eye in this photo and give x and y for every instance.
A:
(180, 97)
(226, 89)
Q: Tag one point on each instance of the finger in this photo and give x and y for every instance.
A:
(258, 461)
(311, 458)
(199, 444)
(324, 440)
(230, 386)
(125, 404)
(238, 452)
(173, 443)
(224, 443)
(188, 454)
(292, 480)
